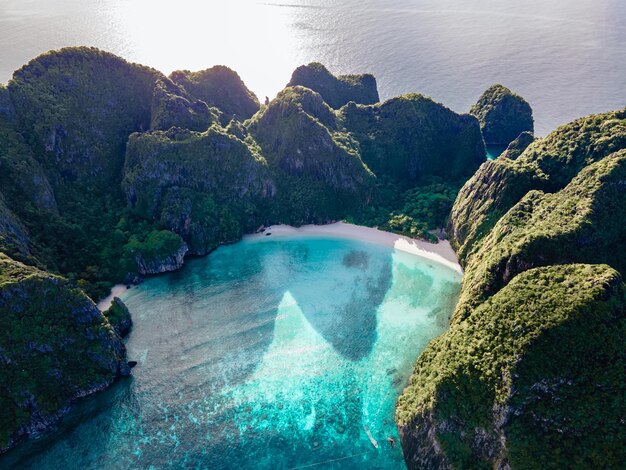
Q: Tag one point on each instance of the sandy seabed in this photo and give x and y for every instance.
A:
(440, 252)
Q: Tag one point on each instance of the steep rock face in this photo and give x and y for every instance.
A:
(503, 115)
(22, 178)
(198, 185)
(172, 107)
(548, 164)
(220, 87)
(72, 111)
(162, 251)
(77, 107)
(336, 91)
(517, 147)
(411, 137)
(523, 382)
(584, 222)
(13, 237)
(319, 173)
(119, 317)
(55, 347)
(530, 372)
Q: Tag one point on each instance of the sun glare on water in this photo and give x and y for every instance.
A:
(213, 33)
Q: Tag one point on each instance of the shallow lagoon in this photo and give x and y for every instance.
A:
(265, 354)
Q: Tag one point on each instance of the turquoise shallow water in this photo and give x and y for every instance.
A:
(265, 354)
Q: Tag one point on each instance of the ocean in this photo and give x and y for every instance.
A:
(566, 57)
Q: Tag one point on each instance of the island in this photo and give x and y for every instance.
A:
(111, 171)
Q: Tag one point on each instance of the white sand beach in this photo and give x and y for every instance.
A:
(440, 252)
(116, 291)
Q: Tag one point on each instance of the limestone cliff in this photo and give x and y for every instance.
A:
(162, 251)
(581, 223)
(173, 107)
(202, 186)
(503, 115)
(336, 91)
(411, 137)
(55, 347)
(517, 147)
(13, 237)
(548, 164)
(77, 107)
(530, 373)
(317, 166)
(532, 379)
(219, 87)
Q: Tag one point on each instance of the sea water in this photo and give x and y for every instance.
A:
(285, 353)
(566, 57)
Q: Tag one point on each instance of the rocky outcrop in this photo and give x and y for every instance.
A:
(219, 87)
(523, 382)
(521, 378)
(13, 237)
(202, 186)
(581, 223)
(548, 164)
(98, 100)
(517, 147)
(299, 134)
(336, 91)
(317, 167)
(172, 107)
(162, 251)
(119, 317)
(412, 137)
(503, 115)
(55, 347)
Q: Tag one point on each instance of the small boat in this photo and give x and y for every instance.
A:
(369, 434)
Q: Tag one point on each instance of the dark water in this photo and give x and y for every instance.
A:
(265, 354)
(567, 57)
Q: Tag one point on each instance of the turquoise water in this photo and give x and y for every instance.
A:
(494, 151)
(265, 354)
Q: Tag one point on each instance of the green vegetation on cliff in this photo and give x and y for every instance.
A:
(336, 91)
(220, 87)
(172, 107)
(547, 164)
(584, 222)
(76, 107)
(202, 186)
(532, 379)
(318, 178)
(55, 347)
(530, 374)
(119, 317)
(503, 115)
(411, 137)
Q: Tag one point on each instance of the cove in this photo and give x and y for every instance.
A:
(267, 353)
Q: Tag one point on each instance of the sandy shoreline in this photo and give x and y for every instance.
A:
(116, 291)
(440, 252)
